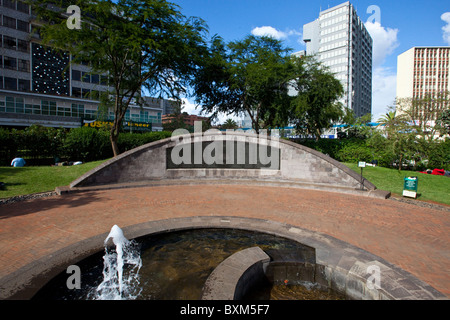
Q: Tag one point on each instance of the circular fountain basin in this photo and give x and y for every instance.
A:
(176, 265)
(343, 267)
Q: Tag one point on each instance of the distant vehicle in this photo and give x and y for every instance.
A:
(436, 172)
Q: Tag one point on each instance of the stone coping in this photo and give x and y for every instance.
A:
(344, 265)
(376, 193)
(233, 276)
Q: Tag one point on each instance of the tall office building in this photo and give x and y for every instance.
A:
(340, 41)
(41, 86)
(423, 71)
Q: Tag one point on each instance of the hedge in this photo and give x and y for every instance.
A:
(41, 145)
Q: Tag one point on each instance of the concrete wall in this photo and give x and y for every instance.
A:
(294, 166)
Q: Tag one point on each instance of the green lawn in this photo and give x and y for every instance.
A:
(27, 180)
(430, 187)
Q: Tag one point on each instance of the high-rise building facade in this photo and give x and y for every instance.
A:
(423, 71)
(340, 41)
(41, 86)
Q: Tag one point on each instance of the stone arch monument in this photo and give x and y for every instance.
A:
(226, 157)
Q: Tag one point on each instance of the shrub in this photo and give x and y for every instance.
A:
(87, 144)
(8, 146)
(354, 152)
(128, 141)
(439, 157)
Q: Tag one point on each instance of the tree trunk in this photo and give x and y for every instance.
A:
(113, 137)
(400, 164)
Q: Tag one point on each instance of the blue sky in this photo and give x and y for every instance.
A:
(403, 25)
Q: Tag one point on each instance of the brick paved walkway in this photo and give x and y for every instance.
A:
(415, 239)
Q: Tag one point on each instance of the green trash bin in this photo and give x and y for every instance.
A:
(410, 187)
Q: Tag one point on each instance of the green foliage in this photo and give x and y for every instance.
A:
(354, 152)
(439, 155)
(78, 144)
(27, 180)
(87, 144)
(444, 119)
(129, 141)
(249, 75)
(430, 187)
(8, 146)
(315, 107)
(135, 43)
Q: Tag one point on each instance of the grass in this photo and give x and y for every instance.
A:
(430, 187)
(27, 180)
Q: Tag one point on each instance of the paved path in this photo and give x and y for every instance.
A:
(415, 239)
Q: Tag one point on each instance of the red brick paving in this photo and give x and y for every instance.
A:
(415, 239)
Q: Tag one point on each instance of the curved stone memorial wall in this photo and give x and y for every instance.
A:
(230, 157)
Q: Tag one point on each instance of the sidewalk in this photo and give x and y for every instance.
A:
(414, 238)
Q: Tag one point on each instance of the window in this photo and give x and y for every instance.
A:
(95, 79)
(10, 63)
(86, 77)
(29, 108)
(19, 105)
(52, 108)
(86, 93)
(23, 65)
(9, 22)
(36, 109)
(23, 26)
(10, 104)
(1, 81)
(24, 85)
(64, 111)
(9, 43)
(76, 75)
(9, 4)
(104, 80)
(22, 7)
(76, 92)
(77, 110)
(22, 45)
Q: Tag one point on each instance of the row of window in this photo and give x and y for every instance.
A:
(334, 37)
(17, 105)
(14, 84)
(14, 64)
(89, 78)
(432, 52)
(16, 5)
(17, 24)
(85, 93)
(14, 44)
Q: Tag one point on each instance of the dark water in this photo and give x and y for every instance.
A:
(176, 265)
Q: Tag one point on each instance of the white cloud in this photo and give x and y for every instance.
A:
(384, 41)
(384, 91)
(269, 32)
(446, 29)
(384, 79)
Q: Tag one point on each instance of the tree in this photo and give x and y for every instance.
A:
(444, 119)
(247, 76)
(135, 43)
(229, 124)
(400, 137)
(315, 107)
(423, 113)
